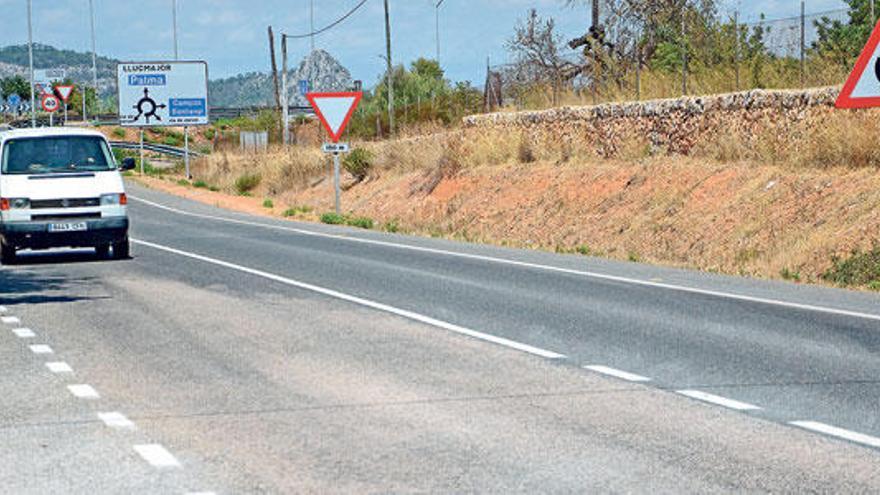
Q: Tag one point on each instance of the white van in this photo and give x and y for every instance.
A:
(61, 188)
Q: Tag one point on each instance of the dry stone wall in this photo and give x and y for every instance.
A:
(672, 125)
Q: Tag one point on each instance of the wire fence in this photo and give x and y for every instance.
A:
(779, 53)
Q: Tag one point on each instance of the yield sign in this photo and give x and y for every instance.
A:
(862, 88)
(334, 110)
(64, 92)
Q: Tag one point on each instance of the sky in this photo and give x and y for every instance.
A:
(231, 34)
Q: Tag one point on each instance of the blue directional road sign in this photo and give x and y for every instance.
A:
(13, 100)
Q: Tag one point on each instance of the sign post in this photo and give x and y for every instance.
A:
(862, 87)
(163, 94)
(50, 104)
(335, 111)
(64, 92)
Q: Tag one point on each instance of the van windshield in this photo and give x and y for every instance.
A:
(56, 154)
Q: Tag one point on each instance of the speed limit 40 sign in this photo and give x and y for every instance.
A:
(50, 103)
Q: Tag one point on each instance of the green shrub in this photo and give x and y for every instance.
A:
(332, 219)
(119, 132)
(200, 184)
(213, 188)
(393, 226)
(584, 250)
(860, 269)
(793, 276)
(247, 183)
(290, 212)
(358, 163)
(361, 222)
(210, 133)
(183, 182)
(172, 141)
(268, 203)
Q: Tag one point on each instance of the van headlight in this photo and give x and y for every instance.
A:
(14, 204)
(114, 199)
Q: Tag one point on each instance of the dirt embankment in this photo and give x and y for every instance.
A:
(781, 195)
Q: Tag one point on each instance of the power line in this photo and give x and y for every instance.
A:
(329, 26)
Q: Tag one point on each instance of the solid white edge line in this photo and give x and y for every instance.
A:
(623, 375)
(596, 275)
(59, 367)
(157, 455)
(83, 391)
(834, 431)
(116, 420)
(718, 400)
(10, 320)
(362, 302)
(41, 349)
(24, 333)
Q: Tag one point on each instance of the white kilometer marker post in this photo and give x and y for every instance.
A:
(157, 455)
(838, 432)
(116, 420)
(41, 349)
(59, 367)
(83, 391)
(24, 333)
(623, 375)
(718, 400)
(10, 320)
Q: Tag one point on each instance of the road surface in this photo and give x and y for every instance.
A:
(236, 354)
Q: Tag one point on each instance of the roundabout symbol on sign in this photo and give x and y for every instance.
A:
(50, 103)
(147, 107)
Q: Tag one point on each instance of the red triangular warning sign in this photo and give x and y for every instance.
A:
(64, 92)
(335, 110)
(862, 88)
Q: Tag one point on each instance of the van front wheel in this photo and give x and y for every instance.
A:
(7, 254)
(121, 250)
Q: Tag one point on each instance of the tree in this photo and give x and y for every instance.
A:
(536, 48)
(15, 85)
(842, 42)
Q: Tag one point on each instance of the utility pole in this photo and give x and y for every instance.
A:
(873, 18)
(390, 74)
(31, 62)
(312, 24)
(736, 47)
(437, 21)
(174, 24)
(684, 56)
(285, 96)
(803, 44)
(94, 58)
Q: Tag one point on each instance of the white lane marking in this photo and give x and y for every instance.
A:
(834, 431)
(201, 493)
(41, 349)
(116, 420)
(718, 400)
(363, 302)
(623, 375)
(24, 333)
(10, 320)
(83, 391)
(3, 309)
(157, 455)
(524, 264)
(59, 367)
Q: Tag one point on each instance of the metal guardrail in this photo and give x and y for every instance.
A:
(155, 148)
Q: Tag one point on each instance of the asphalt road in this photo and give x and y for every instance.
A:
(246, 355)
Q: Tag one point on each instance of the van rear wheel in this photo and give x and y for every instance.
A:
(121, 250)
(7, 253)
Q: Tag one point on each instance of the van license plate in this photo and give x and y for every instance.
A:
(68, 227)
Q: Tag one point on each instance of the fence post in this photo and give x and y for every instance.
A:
(736, 47)
(638, 53)
(803, 43)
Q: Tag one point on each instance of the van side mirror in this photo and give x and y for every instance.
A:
(127, 164)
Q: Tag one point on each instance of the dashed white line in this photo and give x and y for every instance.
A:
(116, 420)
(24, 333)
(623, 375)
(59, 367)
(10, 320)
(718, 400)
(41, 349)
(537, 266)
(364, 302)
(83, 391)
(157, 455)
(834, 431)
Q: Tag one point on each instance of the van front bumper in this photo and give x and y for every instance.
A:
(36, 235)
